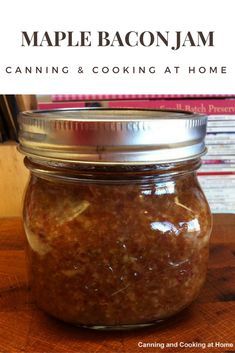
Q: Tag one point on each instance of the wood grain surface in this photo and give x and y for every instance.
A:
(24, 328)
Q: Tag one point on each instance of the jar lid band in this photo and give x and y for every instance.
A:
(112, 136)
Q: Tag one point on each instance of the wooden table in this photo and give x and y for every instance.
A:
(24, 328)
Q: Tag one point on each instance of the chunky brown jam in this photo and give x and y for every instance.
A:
(116, 252)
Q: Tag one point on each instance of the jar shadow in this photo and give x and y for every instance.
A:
(95, 335)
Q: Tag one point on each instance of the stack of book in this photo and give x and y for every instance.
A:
(217, 174)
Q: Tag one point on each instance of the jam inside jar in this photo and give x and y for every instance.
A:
(115, 245)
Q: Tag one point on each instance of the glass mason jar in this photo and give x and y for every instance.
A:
(116, 221)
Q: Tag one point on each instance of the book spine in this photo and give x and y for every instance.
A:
(84, 97)
(59, 105)
(201, 106)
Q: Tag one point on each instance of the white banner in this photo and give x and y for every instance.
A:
(128, 47)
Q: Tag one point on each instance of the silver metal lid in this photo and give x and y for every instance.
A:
(112, 136)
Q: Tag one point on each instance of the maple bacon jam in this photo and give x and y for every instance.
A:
(118, 233)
